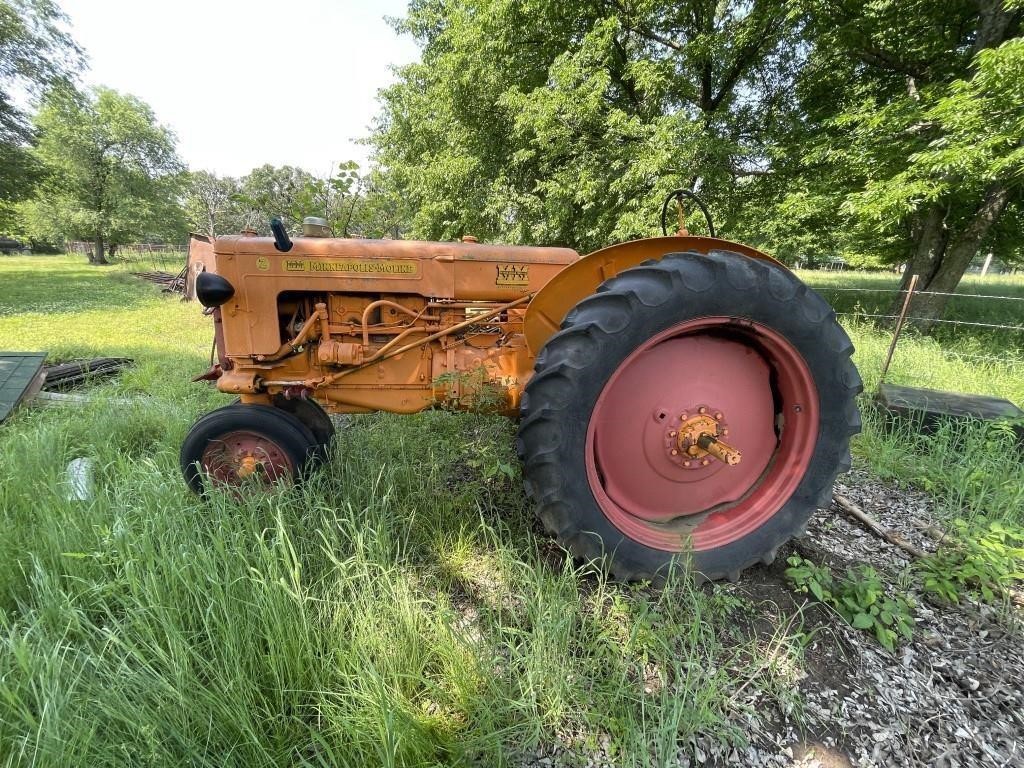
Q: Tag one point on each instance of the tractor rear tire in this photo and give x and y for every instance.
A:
(722, 335)
(230, 445)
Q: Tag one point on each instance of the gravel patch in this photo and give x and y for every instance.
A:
(951, 697)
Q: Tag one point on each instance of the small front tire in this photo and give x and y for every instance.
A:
(314, 417)
(239, 444)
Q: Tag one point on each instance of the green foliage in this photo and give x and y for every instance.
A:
(884, 132)
(859, 597)
(209, 204)
(352, 203)
(982, 558)
(568, 123)
(471, 390)
(493, 463)
(35, 54)
(112, 172)
(969, 468)
(269, 191)
(903, 144)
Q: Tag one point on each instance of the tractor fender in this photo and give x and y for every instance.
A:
(580, 279)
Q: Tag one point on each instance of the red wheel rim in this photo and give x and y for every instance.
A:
(746, 373)
(239, 456)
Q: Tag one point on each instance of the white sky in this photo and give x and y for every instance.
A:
(248, 82)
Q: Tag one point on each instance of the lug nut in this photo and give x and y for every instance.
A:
(675, 452)
(704, 462)
(702, 409)
(718, 414)
(725, 431)
(671, 434)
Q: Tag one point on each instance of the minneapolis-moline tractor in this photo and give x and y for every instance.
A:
(677, 395)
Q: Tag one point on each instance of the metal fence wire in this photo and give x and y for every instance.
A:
(951, 325)
(998, 326)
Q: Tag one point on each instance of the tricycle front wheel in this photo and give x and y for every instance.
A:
(241, 444)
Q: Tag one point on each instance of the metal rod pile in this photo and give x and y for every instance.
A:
(171, 283)
(64, 376)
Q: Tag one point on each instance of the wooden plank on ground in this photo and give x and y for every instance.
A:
(932, 406)
(21, 375)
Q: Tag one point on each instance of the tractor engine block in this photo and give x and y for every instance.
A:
(364, 325)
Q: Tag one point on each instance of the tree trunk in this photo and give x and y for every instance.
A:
(940, 262)
(97, 257)
(993, 24)
(932, 237)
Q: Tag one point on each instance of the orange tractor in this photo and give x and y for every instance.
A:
(678, 395)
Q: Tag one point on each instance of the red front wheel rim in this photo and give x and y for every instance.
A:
(763, 394)
(241, 456)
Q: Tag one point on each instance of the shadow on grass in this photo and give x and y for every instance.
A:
(70, 289)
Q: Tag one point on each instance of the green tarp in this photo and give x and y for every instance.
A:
(20, 372)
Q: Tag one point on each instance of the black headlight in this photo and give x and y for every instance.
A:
(212, 290)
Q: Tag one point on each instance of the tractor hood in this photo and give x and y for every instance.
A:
(355, 248)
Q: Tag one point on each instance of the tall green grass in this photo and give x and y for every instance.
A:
(397, 610)
(974, 302)
(971, 469)
(400, 609)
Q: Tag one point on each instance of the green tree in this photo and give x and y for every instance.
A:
(35, 54)
(270, 191)
(210, 204)
(335, 198)
(554, 122)
(293, 194)
(383, 211)
(906, 139)
(112, 172)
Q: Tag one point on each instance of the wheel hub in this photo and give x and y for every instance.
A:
(247, 464)
(242, 454)
(695, 441)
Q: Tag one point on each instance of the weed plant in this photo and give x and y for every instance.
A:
(859, 597)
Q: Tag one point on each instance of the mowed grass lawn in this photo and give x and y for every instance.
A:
(400, 609)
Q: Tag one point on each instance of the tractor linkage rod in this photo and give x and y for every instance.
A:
(384, 355)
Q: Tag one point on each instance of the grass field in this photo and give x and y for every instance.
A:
(402, 609)
(970, 470)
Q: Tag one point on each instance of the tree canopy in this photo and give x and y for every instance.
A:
(906, 141)
(293, 194)
(885, 132)
(354, 204)
(209, 204)
(550, 122)
(35, 54)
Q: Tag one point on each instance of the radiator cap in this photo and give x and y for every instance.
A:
(314, 226)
